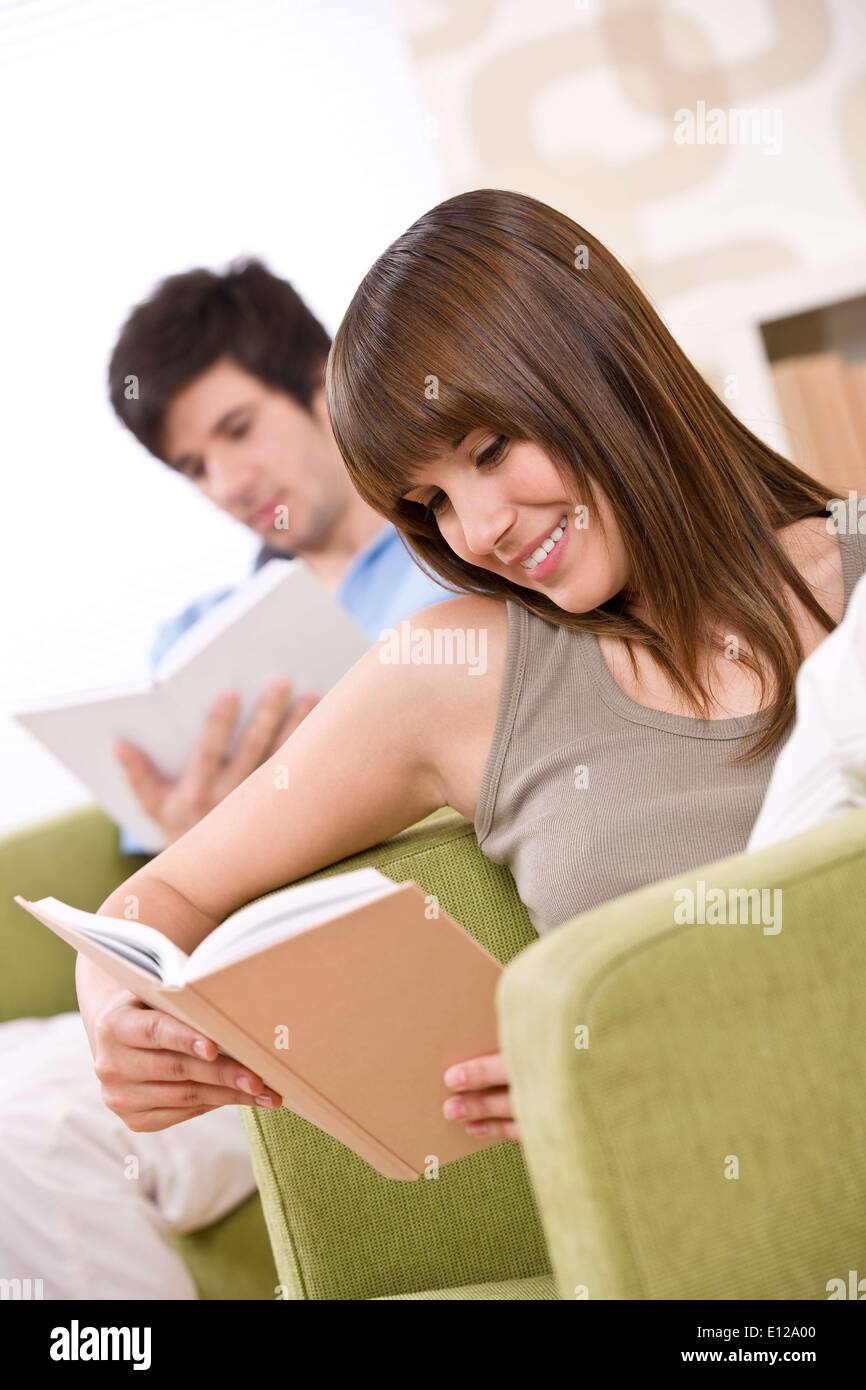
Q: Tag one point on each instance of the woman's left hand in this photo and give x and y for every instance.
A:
(484, 1092)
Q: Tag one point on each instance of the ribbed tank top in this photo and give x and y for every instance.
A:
(586, 795)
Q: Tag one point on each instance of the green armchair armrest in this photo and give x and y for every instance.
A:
(710, 1141)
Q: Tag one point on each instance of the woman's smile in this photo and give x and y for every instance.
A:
(541, 566)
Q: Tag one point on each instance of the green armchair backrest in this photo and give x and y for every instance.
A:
(339, 1229)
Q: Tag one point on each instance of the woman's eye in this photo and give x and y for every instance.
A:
(491, 454)
(435, 503)
(238, 431)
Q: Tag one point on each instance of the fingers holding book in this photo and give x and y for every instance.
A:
(153, 1075)
(483, 1100)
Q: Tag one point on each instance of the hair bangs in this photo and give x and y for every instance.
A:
(404, 387)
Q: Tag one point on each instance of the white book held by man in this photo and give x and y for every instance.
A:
(281, 623)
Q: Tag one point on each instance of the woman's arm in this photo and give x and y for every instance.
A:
(355, 771)
(363, 764)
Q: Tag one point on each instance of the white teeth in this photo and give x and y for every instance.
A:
(543, 550)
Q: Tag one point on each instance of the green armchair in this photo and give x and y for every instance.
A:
(710, 1142)
(691, 1096)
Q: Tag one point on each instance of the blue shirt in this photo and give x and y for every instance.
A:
(382, 586)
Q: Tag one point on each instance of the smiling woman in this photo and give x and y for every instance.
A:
(557, 360)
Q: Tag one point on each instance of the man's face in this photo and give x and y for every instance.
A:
(257, 454)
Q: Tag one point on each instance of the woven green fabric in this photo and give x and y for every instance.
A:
(339, 1229)
(76, 857)
(542, 1287)
(706, 1042)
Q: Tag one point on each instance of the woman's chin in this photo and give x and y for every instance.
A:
(572, 598)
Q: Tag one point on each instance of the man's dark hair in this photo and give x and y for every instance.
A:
(193, 319)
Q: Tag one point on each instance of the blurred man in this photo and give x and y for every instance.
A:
(220, 377)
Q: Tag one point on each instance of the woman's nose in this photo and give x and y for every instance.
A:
(482, 534)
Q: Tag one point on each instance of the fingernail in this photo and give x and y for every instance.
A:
(455, 1076)
(265, 1101)
(200, 1048)
(245, 1084)
(454, 1108)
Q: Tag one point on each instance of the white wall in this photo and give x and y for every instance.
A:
(139, 140)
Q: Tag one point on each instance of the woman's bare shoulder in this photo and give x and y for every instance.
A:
(466, 634)
(465, 609)
(459, 647)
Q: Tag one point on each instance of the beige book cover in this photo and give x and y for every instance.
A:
(350, 996)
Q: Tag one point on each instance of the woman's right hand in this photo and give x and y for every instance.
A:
(155, 1071)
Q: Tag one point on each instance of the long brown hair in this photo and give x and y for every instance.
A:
(495, 310)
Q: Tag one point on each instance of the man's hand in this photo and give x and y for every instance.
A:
(481, 1088)
(178, 804)
(154, 1071)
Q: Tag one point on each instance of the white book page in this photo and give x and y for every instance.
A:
(133, 941)
(282, 622)
(296, 630)
(285, 913)
(228, 613)
(82, 735)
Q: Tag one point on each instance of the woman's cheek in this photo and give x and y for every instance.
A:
(454, 538)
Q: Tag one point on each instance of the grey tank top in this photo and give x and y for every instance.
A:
(586, 795)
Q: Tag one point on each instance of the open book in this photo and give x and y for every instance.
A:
(350, 996)
(281, 622)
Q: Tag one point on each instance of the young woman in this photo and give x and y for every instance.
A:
(642, 575)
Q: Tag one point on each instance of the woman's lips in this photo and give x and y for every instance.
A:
(546, 567)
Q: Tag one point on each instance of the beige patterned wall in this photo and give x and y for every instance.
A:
(574, 101)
